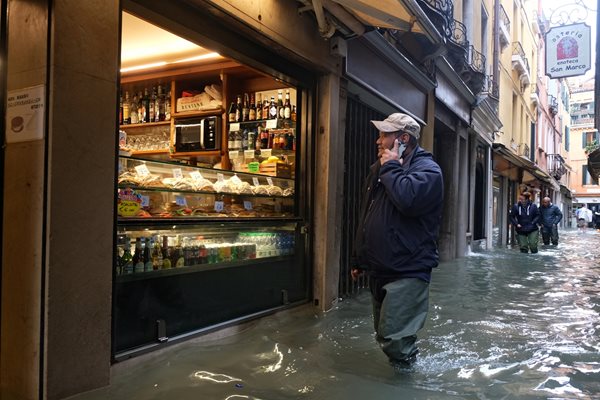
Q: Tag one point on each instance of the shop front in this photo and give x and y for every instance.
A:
(169, 194)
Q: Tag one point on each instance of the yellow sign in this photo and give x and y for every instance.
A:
(130, 203)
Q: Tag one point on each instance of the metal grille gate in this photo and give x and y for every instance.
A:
(359, 153)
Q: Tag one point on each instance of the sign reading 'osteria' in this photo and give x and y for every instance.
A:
(568, 50)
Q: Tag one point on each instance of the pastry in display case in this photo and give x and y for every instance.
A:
(160, 189)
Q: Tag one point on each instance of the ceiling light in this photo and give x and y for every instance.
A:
(144, 66)
(196, 58)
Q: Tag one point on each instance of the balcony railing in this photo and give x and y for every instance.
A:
(556, 166)
(476, 59)
(445, 7)
(457, 32)
(520, 63)
(504, 28)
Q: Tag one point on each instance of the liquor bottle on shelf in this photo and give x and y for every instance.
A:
(159, 108)
(127, 258)
(148, 264)
(258, 138)
(252, 110)
(272, 108)
(245, 139)
(138, 257)
(148, 112)
(238, 109)
(280, 104)
(179, 254)
(166, 253)
(251, 139)
(133, 110)
(232, 112)
(157, 257)
(246, 108)
(265, 108)
(126, 105)
(152, 109)
(293, 115)
(264, 139)
(168, 106)
(237, 140)
(287, 108)
(231, 141)
(141, 108)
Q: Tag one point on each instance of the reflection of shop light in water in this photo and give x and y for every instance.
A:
(206, 56)
(218, 378)
(277, 365)
(236, 396)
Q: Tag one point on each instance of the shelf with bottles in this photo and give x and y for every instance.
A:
(251, 109)
(146, 253)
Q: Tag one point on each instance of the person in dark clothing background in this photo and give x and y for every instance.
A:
(525, 217)
(550, 218)
(396, 240)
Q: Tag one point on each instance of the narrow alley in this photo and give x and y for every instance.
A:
(502, 325)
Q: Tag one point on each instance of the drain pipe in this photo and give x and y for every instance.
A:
(326, 29)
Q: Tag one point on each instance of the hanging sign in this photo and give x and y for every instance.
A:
(25, 114)
(568, 50)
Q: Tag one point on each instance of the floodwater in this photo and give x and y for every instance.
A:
(502, 325)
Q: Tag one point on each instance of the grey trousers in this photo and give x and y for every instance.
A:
(399, 312)
(550, 233)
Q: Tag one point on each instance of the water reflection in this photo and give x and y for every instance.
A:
(503, 325)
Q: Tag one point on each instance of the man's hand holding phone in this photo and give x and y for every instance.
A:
(390, 154)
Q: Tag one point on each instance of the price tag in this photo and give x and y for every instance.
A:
(177, 174)
(234, 154)
(196, 175)
(145, 201)
(255, 181)
(248, 153)
(270, 181)
(142, 170)
(248, 205)
(266, 153)
(180, 201)
(234, 127)
(220, 177)
(271, 124)
(219, 206)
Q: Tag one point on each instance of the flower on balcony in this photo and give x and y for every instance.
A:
(593, 145)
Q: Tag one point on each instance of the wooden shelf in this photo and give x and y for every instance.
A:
(149, 152)
(201, 153)
(145, 125)
(207, 113)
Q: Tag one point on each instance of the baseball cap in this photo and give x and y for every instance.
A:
(399, 122)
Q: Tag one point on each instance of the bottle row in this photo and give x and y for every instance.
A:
(257, 138)
(178, 252)
(253, 109)
(152, 105)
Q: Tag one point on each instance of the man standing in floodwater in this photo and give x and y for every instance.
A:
(550, 218)
(396, 240)
(525, 216)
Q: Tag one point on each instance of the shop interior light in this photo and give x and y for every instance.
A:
(144, 66)
(206, 56)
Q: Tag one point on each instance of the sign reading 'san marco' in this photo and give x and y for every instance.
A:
(568, 50)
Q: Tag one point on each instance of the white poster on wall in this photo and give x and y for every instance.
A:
(568, 50)
(25, 114)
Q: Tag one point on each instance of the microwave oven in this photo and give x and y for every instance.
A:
(197, 133)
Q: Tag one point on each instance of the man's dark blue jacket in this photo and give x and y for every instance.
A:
(400, 218)
(527, 215)
(550, 215)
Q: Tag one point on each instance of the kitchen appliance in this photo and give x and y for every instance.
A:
(197, 133)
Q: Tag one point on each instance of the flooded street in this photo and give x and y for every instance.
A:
(502, 325)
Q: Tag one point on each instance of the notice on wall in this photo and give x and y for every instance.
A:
(568, 50)
(25, 114)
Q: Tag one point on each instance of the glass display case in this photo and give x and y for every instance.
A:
(158, 190)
